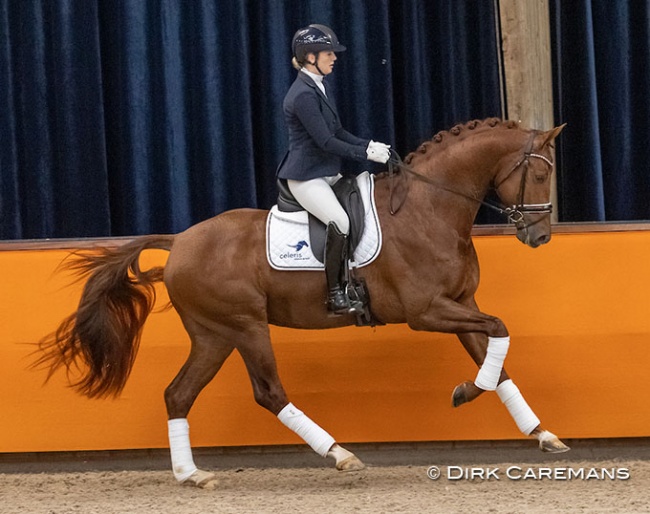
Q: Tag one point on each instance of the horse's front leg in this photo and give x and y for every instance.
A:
(526, 420)
(476, 346)
(486, 339)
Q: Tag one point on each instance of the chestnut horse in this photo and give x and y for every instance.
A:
(226, 294)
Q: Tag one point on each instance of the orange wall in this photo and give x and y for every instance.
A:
(577, 310)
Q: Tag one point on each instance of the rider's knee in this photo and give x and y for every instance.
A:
(342, 224)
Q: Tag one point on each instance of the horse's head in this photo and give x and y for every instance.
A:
(466, 160)
(525, 187)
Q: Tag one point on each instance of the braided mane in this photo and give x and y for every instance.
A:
(461, 129)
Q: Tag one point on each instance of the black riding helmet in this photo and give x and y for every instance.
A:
(314, 38)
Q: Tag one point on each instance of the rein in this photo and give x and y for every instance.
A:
(514, 213)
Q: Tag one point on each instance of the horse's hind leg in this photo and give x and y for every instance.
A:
(207, 355)
(257, 353)
(526, 420)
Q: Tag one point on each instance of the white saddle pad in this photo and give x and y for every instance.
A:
(287, 234)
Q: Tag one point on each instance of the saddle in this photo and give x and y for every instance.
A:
(287, 219)
(348, 194)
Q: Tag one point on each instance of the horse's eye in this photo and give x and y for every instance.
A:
(540, 178)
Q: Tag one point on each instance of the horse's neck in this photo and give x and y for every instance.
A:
(458, 179)
(458, 176)
(470, 165)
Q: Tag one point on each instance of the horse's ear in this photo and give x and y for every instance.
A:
(550, 135)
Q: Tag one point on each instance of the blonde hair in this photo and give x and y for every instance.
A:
(296, 64)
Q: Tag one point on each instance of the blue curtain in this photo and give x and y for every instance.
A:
(147, 116)
(53, 174)
(601, 60)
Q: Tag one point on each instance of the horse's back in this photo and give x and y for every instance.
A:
(226, 232)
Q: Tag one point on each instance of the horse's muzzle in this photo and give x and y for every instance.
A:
(536, 233)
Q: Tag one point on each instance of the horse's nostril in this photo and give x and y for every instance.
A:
(542, 240)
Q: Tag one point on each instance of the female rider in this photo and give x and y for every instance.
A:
(317, 144)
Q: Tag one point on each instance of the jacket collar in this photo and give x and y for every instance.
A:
(310, 82)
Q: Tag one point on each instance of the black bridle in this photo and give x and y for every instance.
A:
(514, 213)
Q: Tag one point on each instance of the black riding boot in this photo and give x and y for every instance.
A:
(336, 245)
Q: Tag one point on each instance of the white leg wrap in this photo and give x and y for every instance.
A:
(319, 440)
(545, 435)
(488, 376)
(179, 445)
(517, 407)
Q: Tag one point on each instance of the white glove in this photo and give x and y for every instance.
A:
(378, 152)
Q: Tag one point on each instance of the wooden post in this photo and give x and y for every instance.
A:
(526, 50)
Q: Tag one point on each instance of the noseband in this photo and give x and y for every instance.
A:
(514, 213)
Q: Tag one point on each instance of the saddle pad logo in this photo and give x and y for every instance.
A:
(296, 255)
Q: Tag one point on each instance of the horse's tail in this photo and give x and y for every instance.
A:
(103, 335)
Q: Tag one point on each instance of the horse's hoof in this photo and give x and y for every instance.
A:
(202, 479)
(464, 393)
(350, 464)
(553, 446)
(549, 442)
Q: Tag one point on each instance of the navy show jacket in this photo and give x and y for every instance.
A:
(317, 140)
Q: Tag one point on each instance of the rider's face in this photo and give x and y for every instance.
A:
(325, 61)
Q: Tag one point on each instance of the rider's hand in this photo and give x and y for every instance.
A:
(378, 152)
(384, 145)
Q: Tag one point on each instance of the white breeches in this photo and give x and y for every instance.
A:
(317, 197)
